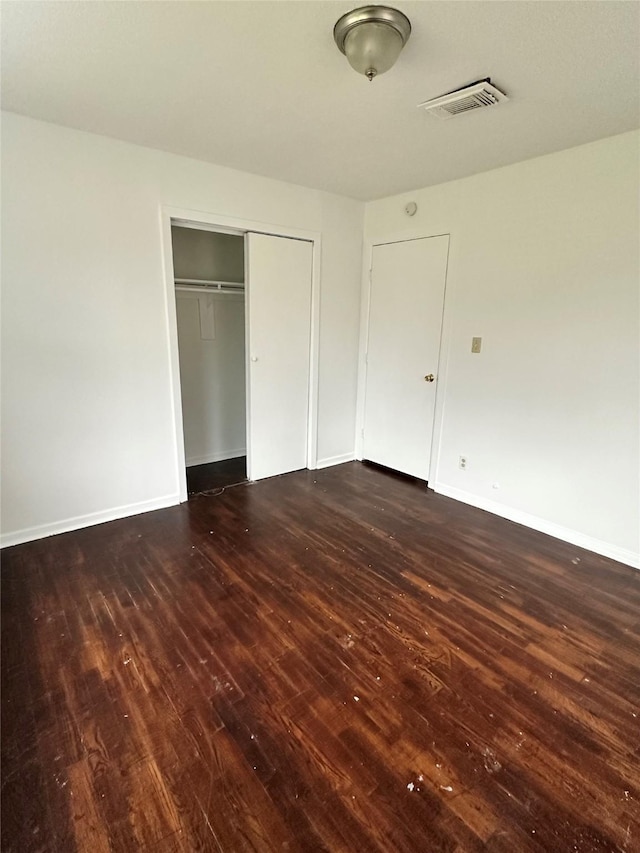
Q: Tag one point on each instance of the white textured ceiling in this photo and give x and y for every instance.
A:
(261, 86)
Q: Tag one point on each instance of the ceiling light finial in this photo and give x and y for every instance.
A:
(371, 38)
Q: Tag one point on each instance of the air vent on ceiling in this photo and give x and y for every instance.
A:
(473, 97)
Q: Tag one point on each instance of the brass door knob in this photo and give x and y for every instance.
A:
(429, 377)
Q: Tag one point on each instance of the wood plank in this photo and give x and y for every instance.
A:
(333, 660)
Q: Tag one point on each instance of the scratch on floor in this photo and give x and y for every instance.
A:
(491, 763)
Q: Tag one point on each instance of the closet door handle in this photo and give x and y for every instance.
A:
(254, 358)
(429, 377)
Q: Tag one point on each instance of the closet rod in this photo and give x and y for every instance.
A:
(203, 282)
(191, 288)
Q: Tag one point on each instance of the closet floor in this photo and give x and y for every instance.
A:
(216, 475)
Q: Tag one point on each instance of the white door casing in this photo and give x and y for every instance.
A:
(405, 326)
(279, 277)
(231, 225)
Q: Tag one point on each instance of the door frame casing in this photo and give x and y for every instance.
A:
(207, 221)
(444, 349)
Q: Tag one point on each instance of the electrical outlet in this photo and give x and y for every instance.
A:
(462, 462)
(476, 344)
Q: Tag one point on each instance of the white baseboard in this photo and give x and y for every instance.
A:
(29, 534)
(605, 549)
(218, 456)
(335, 460)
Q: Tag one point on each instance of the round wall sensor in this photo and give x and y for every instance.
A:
(411, 208)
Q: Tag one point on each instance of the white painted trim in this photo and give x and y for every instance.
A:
(605, 549)
(365, 300)
(204, 226)
(314, 353)
(247, 360)
(335, 460)
(231, 225)
(217, 456)
(208, 221)
(171, 319)
(446, 335)
(28, 534)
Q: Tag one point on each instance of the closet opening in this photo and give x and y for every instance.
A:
(209, 278)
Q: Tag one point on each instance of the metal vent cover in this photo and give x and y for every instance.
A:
(473, 97)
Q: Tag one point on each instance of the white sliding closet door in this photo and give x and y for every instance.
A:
(405, 321)
(279, 271)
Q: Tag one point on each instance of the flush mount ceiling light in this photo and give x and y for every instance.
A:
(372, 37)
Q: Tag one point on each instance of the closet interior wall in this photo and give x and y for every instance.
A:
(211, 342)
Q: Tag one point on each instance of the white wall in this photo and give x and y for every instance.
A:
(207, 254)
(212, 369)
(544, 266)
(87, 421)
(212, 379)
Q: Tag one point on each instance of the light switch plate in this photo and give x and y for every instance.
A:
(476, 344)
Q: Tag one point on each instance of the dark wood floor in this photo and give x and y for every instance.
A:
(216, 475)
(325, 661)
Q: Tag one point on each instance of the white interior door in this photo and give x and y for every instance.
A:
(279, 273)
(405, 325)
